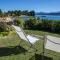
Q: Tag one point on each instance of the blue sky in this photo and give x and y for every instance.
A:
(37, 5)
(50, 5)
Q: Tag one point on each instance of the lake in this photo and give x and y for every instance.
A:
(49, 17)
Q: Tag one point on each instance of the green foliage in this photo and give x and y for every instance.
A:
(31, 13)
(1, 13)
(46, 25)
(31, 23)
(19, 12)
(4, 27)
(20, 22)
(4, 33)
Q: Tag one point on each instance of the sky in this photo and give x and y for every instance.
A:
(37, 5)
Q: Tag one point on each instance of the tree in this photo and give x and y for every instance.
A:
(19, 12)
(32, 23)
(1, 13)
(31, 13)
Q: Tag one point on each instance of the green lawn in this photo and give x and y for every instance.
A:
(10, 49)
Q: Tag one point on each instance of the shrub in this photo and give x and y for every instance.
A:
(3, 27)
(20, 22)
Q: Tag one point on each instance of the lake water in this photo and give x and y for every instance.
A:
(49, 17)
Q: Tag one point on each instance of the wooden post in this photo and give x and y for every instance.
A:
(44, 38)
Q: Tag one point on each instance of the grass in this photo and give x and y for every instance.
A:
(10, 49)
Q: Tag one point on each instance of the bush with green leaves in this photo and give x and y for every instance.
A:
(20, 22)
(31, 23)
(3, 27)
(43, 24)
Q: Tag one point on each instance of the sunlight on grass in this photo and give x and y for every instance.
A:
(10, 49)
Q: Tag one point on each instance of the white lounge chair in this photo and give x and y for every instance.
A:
(22, 35)
(53, 43)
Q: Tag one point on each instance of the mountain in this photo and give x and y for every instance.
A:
(51, 13)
